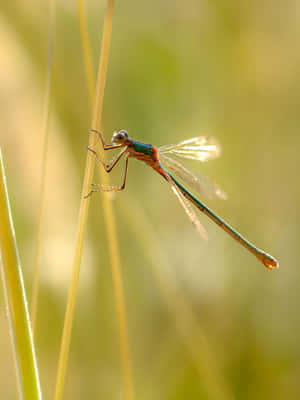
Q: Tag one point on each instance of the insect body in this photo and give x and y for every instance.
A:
(200, 148)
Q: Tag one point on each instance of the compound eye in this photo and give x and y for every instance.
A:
(123, 134)
(120, 137)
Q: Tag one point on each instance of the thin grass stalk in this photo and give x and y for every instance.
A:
(86, 49)
(108, 211)
(82, 220)
(16, 303)
(185, 321)
(45, 133)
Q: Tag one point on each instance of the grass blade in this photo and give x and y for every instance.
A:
(86, 49)
(82, 220)
(16, 302)
(108, 210)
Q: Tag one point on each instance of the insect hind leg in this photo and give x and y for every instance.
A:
(110, 188)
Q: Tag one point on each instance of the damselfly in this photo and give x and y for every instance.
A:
(200, 148)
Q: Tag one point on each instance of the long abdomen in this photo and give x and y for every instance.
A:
(263, 257)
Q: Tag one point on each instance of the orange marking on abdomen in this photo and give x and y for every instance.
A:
(151, 160)
(159, 169)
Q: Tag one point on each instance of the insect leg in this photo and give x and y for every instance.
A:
(110, 188)
(105, 146)
(108, 167)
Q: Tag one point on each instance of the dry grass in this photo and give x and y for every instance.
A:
(109, 218)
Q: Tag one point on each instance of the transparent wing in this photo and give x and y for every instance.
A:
(201, 148)
(202, 185)
(189, 210)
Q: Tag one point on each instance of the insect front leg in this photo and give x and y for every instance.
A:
(105, 146)
(108, 167)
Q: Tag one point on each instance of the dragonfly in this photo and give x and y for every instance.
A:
(201, 148)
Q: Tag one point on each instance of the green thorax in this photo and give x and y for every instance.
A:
(142, 148)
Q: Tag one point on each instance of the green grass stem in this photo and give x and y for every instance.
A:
(16, 303)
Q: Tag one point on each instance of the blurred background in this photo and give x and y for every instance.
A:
(206, 320)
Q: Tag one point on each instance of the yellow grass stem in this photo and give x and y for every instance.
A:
(108, 210)
(111, 230)
(45, 133)
(185, 321)
(86, 49)
(16, 303)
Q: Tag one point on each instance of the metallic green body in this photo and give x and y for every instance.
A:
(140, 147)
(265, 258)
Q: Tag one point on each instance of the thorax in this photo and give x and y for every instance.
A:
(144, 152)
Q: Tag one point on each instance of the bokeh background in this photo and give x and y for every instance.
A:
(206, 320)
